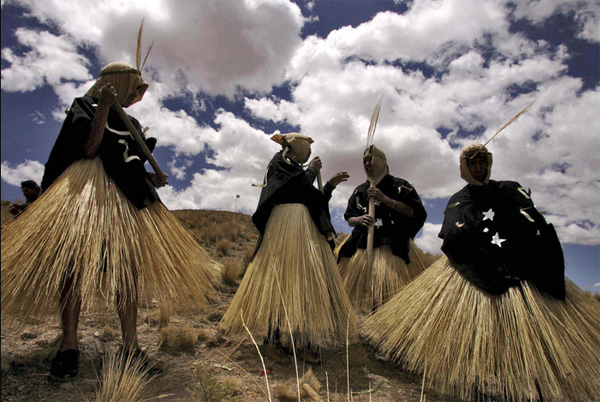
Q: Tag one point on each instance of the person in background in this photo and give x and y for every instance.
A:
(31, 191)
(292, 293)
(399, 215)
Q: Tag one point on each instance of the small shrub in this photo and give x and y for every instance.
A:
(223, 246)
(285, 393)
(210, 389)
(157, 317)
(178, 339)
(122, 381)
(203, 334)
(231, 271)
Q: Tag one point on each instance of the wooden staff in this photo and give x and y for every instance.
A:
(310, 391)
(138, 138)
(371, 232)
(319, 181)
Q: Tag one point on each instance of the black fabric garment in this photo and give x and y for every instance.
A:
(122, 157)
(289, 183)
(495, 237)
(391, 227)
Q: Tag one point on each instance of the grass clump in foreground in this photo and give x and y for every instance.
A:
(210, 389)
(178, 340)
(123, 381)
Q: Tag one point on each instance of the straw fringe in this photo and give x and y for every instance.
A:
(504, 345)
(84, 227)
(296, 255)
(370, 288)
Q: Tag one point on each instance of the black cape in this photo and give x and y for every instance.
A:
(121, 156)
(397, 229)
(496, 238)
(289, 183)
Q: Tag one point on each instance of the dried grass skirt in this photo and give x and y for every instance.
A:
(83, 227)
(468, 341)
(369, 288)
(293, 278)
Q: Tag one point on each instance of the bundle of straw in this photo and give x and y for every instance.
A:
(519, 345)
(369, 286)
(293, 277)
(84, 227)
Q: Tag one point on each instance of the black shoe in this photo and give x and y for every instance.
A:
(64, 366)
(140, 359)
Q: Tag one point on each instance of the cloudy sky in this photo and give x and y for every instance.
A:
(226, 75)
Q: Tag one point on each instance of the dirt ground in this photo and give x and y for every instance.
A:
(220, 359)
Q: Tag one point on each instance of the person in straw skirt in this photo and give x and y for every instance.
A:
(399, 215)
(292, 287)
(495, 315)
(99, 230)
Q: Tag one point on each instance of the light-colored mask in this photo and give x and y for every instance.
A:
(469, 152)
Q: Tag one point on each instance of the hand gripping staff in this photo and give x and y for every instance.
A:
(138, 138)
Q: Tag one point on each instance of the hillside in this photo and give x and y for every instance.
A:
(201, 363)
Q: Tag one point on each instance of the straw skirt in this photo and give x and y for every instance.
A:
(369, 288)
(510, 346)
(293, 280)
(83, 227)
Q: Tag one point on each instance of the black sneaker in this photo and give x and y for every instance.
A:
(140, 359)
(64, 366)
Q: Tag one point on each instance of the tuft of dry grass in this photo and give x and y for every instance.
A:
(223, 246)
(176, 339)
(203, 334)
(285, 393)
(310, 379)
(210, 389)
(158, 317)
(124, 381)
(231, 271)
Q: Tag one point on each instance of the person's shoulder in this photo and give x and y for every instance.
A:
(506, 186)
(400, 182)
(460, 194)
(362, 187)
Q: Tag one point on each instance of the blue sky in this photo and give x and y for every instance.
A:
(226, 75)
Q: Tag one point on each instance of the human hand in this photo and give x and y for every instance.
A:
(376, 193)
(159, 181)
(108, 95)
(338, 178)
(365, 220)
(316, 163)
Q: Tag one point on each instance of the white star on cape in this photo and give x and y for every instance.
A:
(489, 215)
(379, 223)
(497, 240)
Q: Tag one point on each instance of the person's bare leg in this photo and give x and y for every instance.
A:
(127, 309)
(70, 303)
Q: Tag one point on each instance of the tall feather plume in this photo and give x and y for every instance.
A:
(373, 124)
(138, 53)
(515, 117)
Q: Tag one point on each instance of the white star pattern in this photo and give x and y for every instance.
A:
(379, 223)
(489, 215)
(497, 240)
(399, 190)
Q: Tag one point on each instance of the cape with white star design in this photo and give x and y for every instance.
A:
(496, 238)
